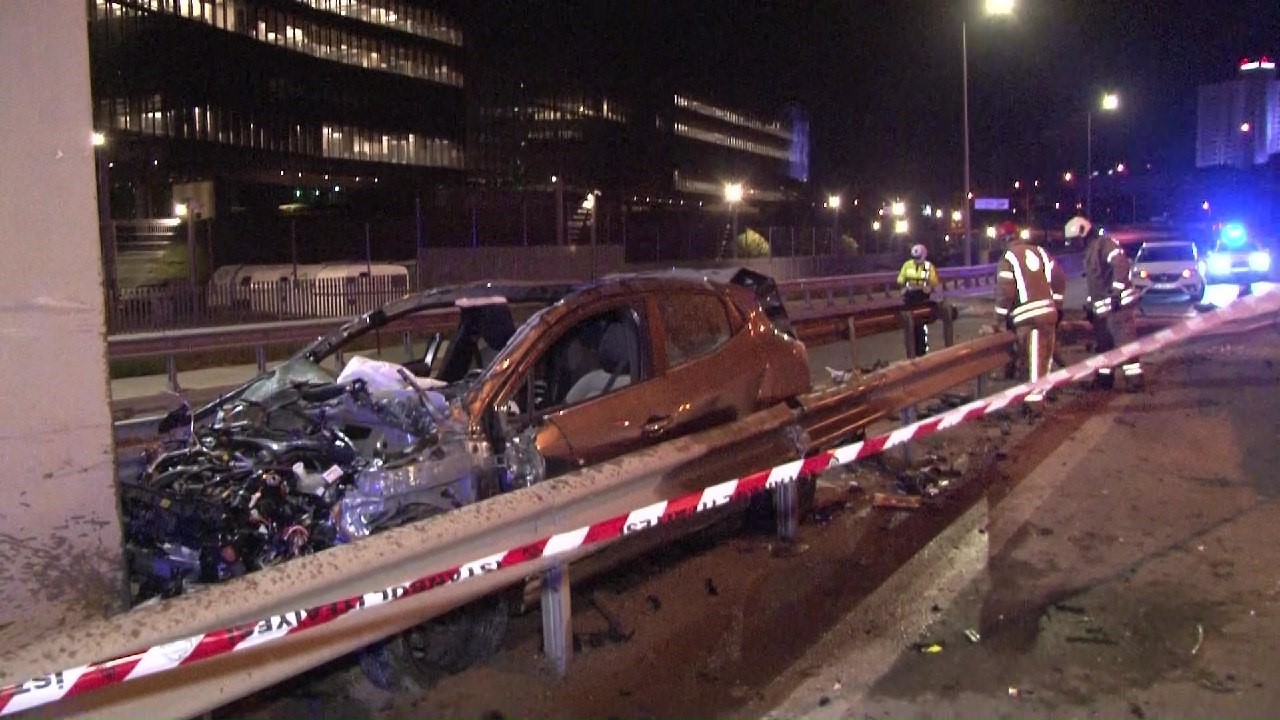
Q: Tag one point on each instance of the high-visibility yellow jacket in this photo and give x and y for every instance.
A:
(918, 275)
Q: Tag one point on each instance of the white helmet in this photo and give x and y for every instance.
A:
(918, 252)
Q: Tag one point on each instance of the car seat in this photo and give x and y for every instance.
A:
(617, 356)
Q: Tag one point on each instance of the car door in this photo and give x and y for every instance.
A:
(589, 387)
(711, 375)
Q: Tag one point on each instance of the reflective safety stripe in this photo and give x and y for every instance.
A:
(1104, 371)
(1017, 272)
(1132, 368)
(1033, 357)
(1031, 307)
(1006, 274)
(1034, 398)
(1002, 311)
(1110, 255)
(1047, 263)
(1118, 285)
(1057, 297)
(1019, 319)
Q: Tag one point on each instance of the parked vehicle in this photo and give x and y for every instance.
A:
(324, 290)
(311, 454)
(1236, 258)
(1168, 268)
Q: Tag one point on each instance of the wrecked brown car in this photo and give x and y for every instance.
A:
(321, 451)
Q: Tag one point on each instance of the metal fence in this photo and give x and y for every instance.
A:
(183, 305)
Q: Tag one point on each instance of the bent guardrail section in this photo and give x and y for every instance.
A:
(267, 604)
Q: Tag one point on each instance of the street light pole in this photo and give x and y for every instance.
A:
(968, 204)
(1088, 173)
(1110, 103)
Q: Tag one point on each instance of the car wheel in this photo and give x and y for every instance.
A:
(424, 654)
(1197, 297)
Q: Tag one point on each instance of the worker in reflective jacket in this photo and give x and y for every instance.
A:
(1029, 292)
(918, 278)
(1111, 307)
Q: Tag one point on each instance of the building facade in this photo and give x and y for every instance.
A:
(239, 110)
(1238, 121)
(667, 145)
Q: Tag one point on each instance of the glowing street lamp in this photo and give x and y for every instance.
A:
(98, 139)
(733, 193)
(901, 227)
(833, 202)
(1067, 176)
(898, 208)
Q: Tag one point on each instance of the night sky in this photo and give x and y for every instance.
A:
(882, 79)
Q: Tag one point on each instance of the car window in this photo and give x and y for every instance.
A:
(694, 324)
(596, 356)
(1166, 253)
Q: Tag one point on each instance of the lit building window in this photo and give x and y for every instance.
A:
(330, 42)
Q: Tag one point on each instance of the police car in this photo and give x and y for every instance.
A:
(1236, 258)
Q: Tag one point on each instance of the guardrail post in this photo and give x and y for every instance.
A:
(786, 505)
(260, 355)
(557, 618)
(908, 324)
(948, 323)
(171, 369)
(983, 381)
(908, 417)
(853, 346)
(408, 345)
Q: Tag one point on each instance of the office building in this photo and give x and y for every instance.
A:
(1238, 121)
(239, 110)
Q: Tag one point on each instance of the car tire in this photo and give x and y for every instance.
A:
(424, 654)
(1198, 296)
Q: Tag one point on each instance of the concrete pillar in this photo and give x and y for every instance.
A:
(60, 542)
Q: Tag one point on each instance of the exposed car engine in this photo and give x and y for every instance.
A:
(296, 463)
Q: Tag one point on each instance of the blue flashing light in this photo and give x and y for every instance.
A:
(1233, 234)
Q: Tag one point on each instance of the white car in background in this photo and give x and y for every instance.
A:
(1168, 268)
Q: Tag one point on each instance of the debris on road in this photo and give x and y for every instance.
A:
(711, 588)
(972, 635)
(896, 502)
(1199, 638)
(928, 648)
(1014, 692)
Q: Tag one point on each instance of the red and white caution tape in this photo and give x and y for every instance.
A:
(76, 681)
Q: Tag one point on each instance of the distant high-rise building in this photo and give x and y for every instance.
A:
(1239, 120)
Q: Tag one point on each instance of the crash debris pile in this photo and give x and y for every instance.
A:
(294, 464)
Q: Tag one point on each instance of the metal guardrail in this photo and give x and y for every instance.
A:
(872, 300)
(872, 287)
(669, 470)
